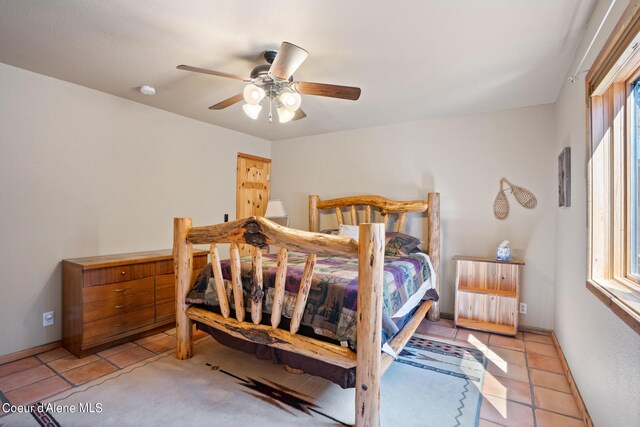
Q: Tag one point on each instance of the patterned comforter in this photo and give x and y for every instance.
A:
(331, 306)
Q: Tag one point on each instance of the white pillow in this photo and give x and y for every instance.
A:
(352, 231)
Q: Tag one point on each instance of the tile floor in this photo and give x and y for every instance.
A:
(35, 378)
(524, 383)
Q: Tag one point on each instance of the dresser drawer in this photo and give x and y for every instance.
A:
(118, 304)
(166, 267)
(104, 292)
(115, 325)
(166, 286)
(100, 276)
(166, 311)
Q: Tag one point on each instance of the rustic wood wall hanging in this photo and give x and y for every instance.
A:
(564, 178)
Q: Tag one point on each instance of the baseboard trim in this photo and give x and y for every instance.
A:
(29, 352)
(535, 330)
(586, 418)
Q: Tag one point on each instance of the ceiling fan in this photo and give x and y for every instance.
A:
(274, 82)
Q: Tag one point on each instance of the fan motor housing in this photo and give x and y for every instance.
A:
(260, 71)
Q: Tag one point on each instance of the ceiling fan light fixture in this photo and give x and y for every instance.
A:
(285, 115)
(291, 101)
(253, 94)
(252, 110)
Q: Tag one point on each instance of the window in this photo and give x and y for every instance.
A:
(613, 99)
(634, 187)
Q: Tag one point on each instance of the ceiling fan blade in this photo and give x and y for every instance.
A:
(322, 89)
(227, 102)
(287, 61)
(213, 73)
(299, 114)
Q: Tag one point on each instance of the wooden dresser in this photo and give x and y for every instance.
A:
(107, 300)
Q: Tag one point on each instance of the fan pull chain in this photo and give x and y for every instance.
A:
(270, 103)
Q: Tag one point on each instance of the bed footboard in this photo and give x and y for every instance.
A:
(369, 324)
(260, 232)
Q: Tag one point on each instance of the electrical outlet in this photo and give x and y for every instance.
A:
(523, 308)
(47, 318)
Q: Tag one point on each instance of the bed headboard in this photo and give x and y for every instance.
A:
(386, 208)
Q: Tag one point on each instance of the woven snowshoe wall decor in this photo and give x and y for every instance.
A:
(523, 196)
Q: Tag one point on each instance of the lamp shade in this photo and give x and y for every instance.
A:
(290, 100)
(252, 110)
(275, 209)
(253, 94)
(285, 115)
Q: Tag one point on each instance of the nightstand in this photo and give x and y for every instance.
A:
(487, 294)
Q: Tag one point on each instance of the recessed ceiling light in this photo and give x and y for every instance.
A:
(147, 90)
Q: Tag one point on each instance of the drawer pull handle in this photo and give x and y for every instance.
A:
(120, 290)
(117, 307)
(123, 273)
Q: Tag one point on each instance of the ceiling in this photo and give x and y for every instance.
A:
(413, 59)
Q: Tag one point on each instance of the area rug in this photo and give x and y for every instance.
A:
(431, 384)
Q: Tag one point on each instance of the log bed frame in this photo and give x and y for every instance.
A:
(259, 232)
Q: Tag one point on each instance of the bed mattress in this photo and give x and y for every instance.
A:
(331, 307)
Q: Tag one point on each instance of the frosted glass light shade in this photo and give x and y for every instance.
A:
(285, 115)
(275, 209)
(252, 110)
(253, 94)
(291, 101)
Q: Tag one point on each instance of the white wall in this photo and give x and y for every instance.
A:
(85, 173)
(602, 351)
(463, 158)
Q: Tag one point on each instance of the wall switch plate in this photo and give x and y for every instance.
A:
(47, 318)
(523, 308)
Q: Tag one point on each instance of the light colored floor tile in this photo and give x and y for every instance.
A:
(505, 412)
(470, 336)
(24, 378)
(441, 331)
(505, 354)
(151, 338)
(544, 363)
(506, 388)
(117, 349)
(444, 322)
(543, 339)
(89, 372)
(37, 391)
(54, 354)
(509, 370)
(506, 342)
(549, 380)
(555, 401)
(486, 423)
(539, 348)
(549, 419)
(70, 362)
(162, 344)
(18, 365)
(130, 356)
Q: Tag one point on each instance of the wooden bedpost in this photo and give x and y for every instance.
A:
(314, 219)
(433, 248)
(369, 324)
(183, 268)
